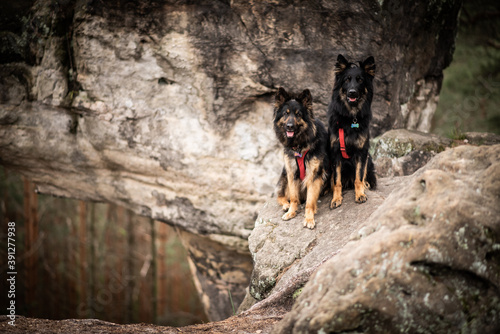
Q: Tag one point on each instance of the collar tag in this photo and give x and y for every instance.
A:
(355, 123)
(297, 154)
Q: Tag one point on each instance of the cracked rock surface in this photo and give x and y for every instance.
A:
(427, 260)
(282, 250)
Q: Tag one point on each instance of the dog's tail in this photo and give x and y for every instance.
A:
(371, 178)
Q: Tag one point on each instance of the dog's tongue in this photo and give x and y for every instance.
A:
(289, 134)
(352, 99)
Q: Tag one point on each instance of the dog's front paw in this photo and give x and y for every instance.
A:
(336, 202)
(289, 215)
(361, 198)
(309, 223)
(284, 203)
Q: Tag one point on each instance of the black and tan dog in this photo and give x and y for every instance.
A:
(305, 143)
(349, 115)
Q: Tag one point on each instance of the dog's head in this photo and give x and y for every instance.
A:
(293, 115)
(354, 81)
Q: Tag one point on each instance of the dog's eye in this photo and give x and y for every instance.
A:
(348, 79)
(359, 79)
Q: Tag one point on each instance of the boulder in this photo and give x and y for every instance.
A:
(283, 251)
(426, 261)
(401, 152)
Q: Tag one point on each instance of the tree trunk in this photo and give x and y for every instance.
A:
(154, 279)
(31, 225)
(130, 267)
(92, 244)
(82, 237)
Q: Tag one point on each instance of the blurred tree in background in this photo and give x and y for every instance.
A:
(470, 99)
(93, 260)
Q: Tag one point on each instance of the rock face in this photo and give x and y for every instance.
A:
(427, 260)
(219, 274)
(165, 107)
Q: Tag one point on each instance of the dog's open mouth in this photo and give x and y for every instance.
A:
(290, 134)
(352, 99)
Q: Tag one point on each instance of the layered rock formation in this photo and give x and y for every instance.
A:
(421, 255)
(165, 107)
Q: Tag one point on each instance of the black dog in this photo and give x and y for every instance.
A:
(349, 115)
(305, 143)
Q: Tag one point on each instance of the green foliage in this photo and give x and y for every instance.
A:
(469, 97)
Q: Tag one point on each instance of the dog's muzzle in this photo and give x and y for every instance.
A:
(352, 96)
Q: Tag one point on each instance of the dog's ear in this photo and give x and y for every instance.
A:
(281, 97)
(307, 101)
(305, 98)
(341, 64)
(369, 66)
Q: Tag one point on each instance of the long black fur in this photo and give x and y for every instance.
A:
(351, 104)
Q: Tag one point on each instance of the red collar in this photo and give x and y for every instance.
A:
(342, 144)
(300, 161)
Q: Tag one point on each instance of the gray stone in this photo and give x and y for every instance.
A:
(219, 272)
(427, 260)
(282, 250)
(401, 152)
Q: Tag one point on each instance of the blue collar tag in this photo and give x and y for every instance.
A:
(354, 125)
